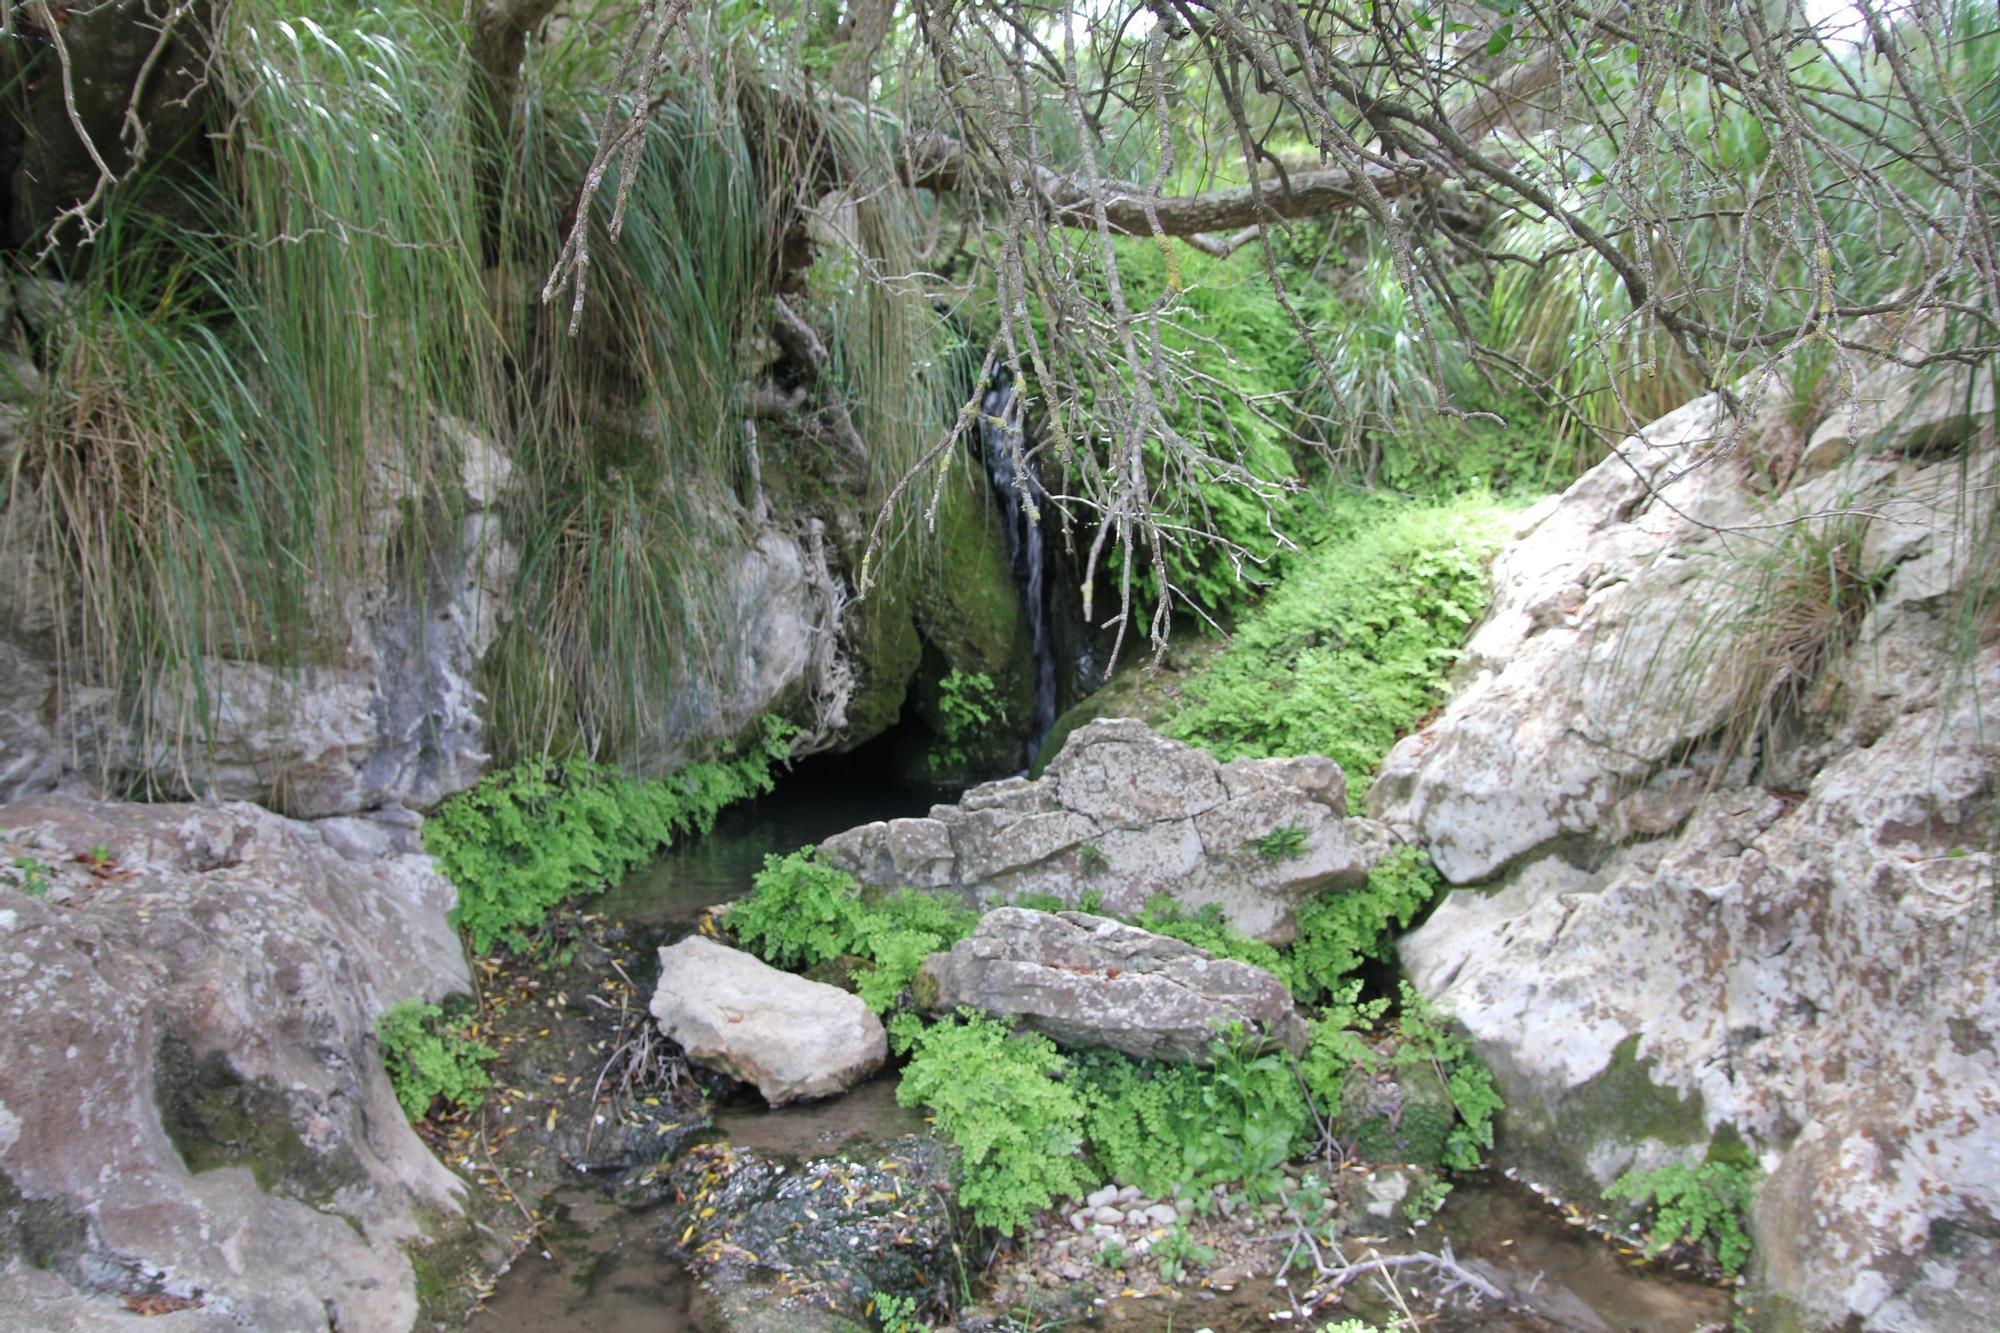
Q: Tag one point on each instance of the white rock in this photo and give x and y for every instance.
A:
(794, 1039)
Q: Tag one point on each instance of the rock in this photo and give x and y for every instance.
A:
(1162, 1214)
(1089, 981)
(192, 1102)
(776, 1244)
(794, 1039)
(1109, 1217)
(1124, 813)
(1102, 1197)
(1774, 952)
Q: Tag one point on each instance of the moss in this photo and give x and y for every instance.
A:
(969, 606)
(1625, 1102)
(883, 637)
(450, 1267)
(216, 1118)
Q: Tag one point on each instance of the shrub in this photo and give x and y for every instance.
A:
(970, 704)
(430, 1058)
(1166, 1125)
(1337, 931)
(1694, 1205)
(526, 839)
(1353, 648)
(1004, 1101)
(800, 914)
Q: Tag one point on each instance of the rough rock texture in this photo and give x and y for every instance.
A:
(1125, 813)
(777, 1245)
(381, 711)
(1787, 931)
(191, 1099)
(794, 1039)
(1089, 981)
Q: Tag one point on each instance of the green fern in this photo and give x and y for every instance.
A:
(431, 1059)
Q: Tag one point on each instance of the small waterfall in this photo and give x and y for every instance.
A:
(1001, 441)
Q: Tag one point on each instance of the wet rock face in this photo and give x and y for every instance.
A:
(1089, 981)
(192, 1105)
(777, 1244)
(1792, 941)
(1123, 813)
(794, 1039)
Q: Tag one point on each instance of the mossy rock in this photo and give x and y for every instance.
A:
(968, 605)
(1402, 1114)
(882, 636)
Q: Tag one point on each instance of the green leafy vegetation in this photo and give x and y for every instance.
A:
(801, 914)
(32, 876)
(431, 1059)
(1705, 1204)
(1163, 1126)
(1282, 844)
(1003, 1099)
(1355, 645)
(1339, 931)
(527, 839)
(970, 705)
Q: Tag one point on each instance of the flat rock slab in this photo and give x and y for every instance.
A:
(1124, 813)
(1089, 981)
(793, 1039)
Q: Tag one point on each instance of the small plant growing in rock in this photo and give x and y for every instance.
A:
(897, 1314)
(970, 703)
(33, 876)
(429, 1059)
(1112, 1254)
(1177, 1252)
(1695, 1205)
(1090, 858)
(1282, 844)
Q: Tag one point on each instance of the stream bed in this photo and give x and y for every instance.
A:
(604, 1266)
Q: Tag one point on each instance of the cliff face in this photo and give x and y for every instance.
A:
(1718, 783)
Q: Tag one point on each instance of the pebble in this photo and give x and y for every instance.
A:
(1080, 1219)
(1110, 1217)
(1162, 1215)
(1070, 1271)
(1131, 1194)
(1102, 1198)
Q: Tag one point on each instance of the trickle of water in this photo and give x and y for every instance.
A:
(1018, 484)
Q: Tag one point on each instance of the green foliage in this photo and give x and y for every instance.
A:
(1419, 1045)
(525, 840)
(1282, 844)
(1205, 929)
(1163, 1126)
(801, 913)
(970, 704)
(33, 877)
(430, 1058)
(1090, 858)
(896, 1314)
(1703, 1204)
(1337, 931)
(1176, 1250)
(1003, 1100)
(1353, 648)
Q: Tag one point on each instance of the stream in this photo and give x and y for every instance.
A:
(603, 1266)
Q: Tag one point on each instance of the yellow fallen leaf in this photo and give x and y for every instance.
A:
(552, 1121)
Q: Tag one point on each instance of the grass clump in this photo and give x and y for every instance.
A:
(525, 840)
(432, 1058)
(1704, 1204)
(1355, 645)
(801, 914)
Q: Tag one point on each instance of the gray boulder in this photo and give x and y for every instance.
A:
(794, 1039)
(1088, 981)
(192, 1103)
(1124, 813)
(1674, 938)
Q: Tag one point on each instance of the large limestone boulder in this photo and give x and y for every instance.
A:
(1683, 933)
(794, 1039)
(192, 1104)
(1124, 813)
(1089, 981)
